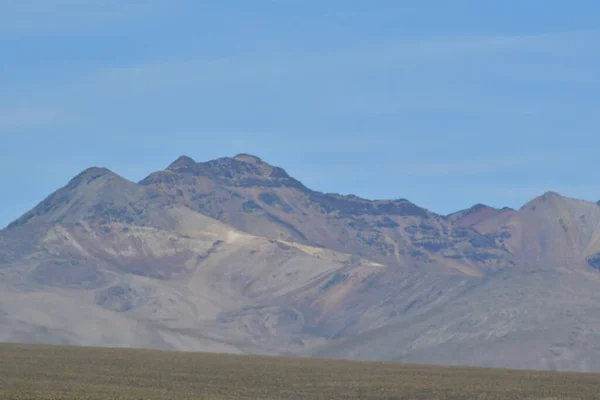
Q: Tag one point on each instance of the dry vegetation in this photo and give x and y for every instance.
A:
(51, 372)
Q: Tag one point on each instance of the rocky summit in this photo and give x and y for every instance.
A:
(235, 255)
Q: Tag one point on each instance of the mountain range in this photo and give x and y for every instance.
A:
(234, 255)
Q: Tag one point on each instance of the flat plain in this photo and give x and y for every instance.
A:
(62, 372)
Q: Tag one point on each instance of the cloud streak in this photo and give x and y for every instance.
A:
(21, 119)
(385, 55)
(478, 166)
(379, 79)
(33, 17)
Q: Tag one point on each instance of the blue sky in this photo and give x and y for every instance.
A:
(446, 103)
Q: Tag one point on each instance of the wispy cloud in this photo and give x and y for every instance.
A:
(383, 78)
(377, 57)
(31, 17)
(20, 119)
(478, 165)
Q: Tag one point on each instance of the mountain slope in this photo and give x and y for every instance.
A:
(255, 197)
(479, 214)
(105, 252)
(100, 194)
(235, 255)
(549, 231)
(541, 320)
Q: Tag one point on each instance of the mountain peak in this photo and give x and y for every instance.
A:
(550, 194)
(182, 163)
(92, 190)
(479, 206)
(242, 170)
(248, 158)
(94, 172)
(476, 214)
(88, 175)
(549, 198)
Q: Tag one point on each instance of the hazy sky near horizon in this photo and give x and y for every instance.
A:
(446, 103)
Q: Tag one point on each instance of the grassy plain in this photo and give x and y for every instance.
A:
(54, 372)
